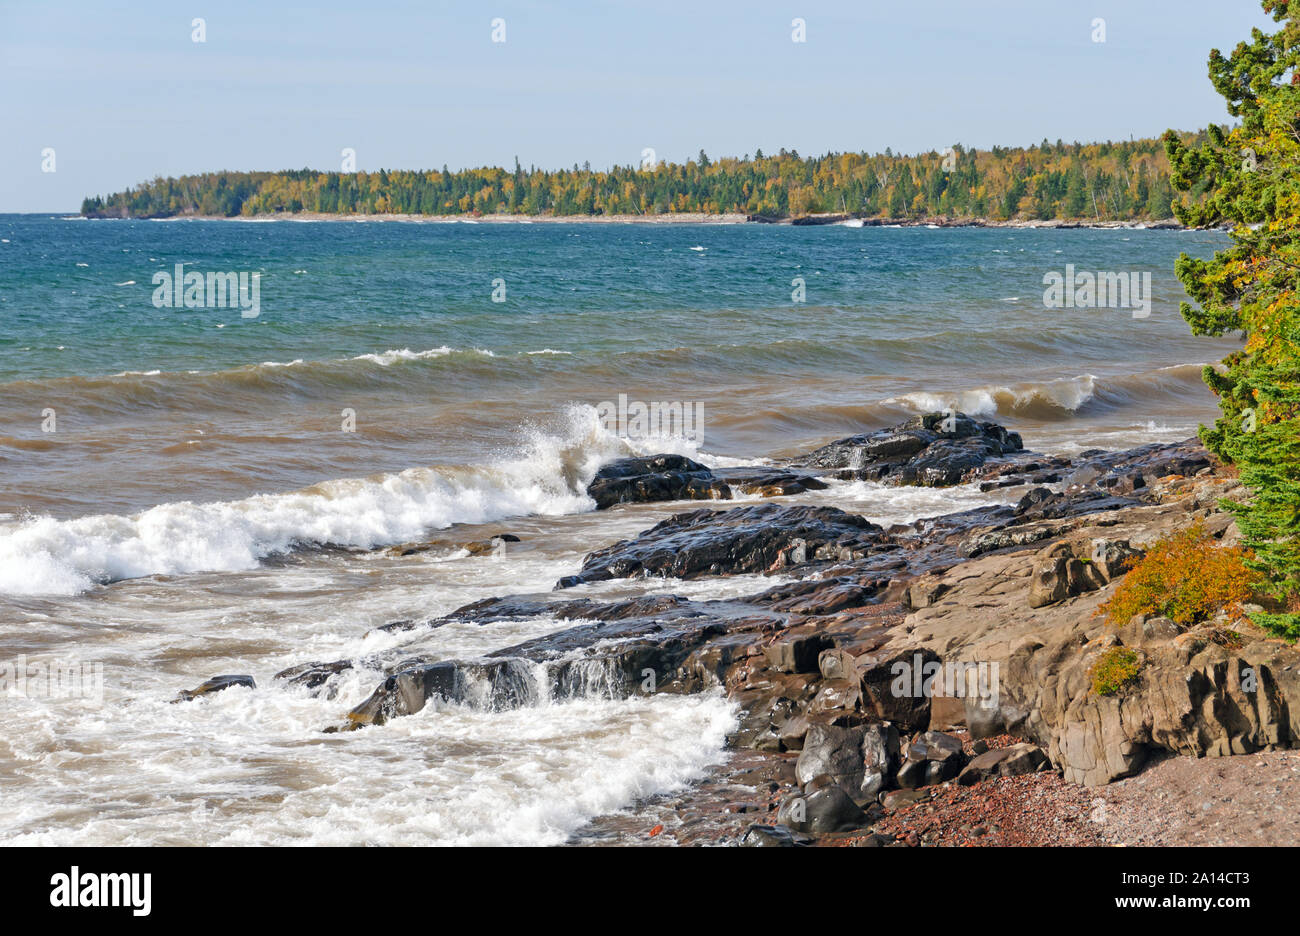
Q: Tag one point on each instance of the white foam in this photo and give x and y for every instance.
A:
(547, 477)
(250, 768)
(386, 358)
(887, 504)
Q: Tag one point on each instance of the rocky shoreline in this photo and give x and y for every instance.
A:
(898, 678)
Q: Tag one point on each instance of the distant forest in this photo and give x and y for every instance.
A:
(1126, 181)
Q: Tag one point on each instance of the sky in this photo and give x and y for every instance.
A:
(122, 93)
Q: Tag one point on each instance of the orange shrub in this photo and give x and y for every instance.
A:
(1185, 577)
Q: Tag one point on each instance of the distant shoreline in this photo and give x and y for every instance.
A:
(673, 218)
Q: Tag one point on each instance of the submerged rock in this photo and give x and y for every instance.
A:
(314, 674)
(215, 684)
(770, 482)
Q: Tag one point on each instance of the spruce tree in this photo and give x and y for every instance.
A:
(1251, 177)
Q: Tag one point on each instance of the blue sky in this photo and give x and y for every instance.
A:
(122, 93)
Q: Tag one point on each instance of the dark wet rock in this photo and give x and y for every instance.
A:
(859, 759)
(655, 478)
(999, 539)
(405, 624)
(1134, 470)
(314, 674)
(1043, 504)
(826, 594)
(766, 836)
(1024, 468)
(833, 752)
(820, 652)
(894, 687)
(828, 597)
(934, 450)
(476, 548)
(753, 539)
(685, 651)
(826, 808)
(1040, 515)
(797, 651)
(215, 684)
(519, 607)
(769, 482)
(932, 757)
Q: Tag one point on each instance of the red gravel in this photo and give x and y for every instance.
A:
(1038, 809)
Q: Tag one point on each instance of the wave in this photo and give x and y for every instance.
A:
(547, 476)
(1059, 399)
(239, 387)
(1052, 400)
(883, 352)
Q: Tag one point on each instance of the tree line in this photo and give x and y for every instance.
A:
(1125, 181)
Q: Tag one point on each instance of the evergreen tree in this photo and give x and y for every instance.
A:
(1251, 178)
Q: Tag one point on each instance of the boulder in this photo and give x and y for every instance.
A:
(894, 687)
(934, 450)
(931, 758)
(1072, 567)
(879, 758)
(1050, 582)
(827, 808)
(654, 478)
(859, 759)
(314, 674)
(1013, 761)
(767, 836)
(798, 652)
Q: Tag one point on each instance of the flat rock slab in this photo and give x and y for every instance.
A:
(754, 539)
